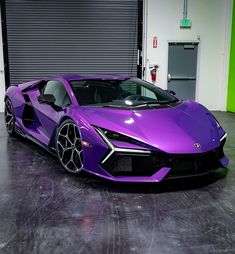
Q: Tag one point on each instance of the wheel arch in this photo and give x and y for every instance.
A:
(6, 97)
(53, 136)
(64, 118)
(11, 92)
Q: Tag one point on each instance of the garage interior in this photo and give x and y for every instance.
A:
(46, 210)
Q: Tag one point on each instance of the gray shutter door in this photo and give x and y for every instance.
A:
(50, 37)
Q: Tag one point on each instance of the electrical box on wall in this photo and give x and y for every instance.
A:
(185, 23)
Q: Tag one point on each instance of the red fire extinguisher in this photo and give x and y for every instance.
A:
(154, 72)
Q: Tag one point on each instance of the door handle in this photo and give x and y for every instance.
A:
(169, 77)
(182, 78)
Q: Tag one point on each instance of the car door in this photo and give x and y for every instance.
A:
(49, 115)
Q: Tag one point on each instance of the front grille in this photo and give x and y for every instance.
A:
(123, 164)
(190, 165)
(126, 164)
(196, 164)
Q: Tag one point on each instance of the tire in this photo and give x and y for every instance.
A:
(69, 147)
(9, 118)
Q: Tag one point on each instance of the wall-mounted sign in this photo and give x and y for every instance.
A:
(185, 23)
(155, 42)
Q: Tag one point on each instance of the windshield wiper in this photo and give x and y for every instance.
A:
(146, 104)
(149, 103)
(107, 106)
(168, 102)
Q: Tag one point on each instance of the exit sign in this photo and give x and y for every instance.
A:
(185, 23)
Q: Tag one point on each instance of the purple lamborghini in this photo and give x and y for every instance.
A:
(116, 127)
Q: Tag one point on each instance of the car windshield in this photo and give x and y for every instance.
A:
(119, 93)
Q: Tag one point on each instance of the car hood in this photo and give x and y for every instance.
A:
(173, 130)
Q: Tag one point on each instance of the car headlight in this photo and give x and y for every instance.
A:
(216, 121)
(112, 135)
(217, 124)
(115, 136)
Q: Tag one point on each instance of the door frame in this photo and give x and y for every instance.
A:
(198, 42)
(5, 44)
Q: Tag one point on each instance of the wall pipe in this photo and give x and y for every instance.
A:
(185, 11)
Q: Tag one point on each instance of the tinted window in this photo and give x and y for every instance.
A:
(59, 91)
(129, 92)
(67, 100)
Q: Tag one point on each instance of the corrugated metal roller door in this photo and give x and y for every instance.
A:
(47, 37)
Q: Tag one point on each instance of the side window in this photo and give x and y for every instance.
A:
(67, 100)
(148, 93)
(129, 87)
(133, 88)
(58, 89)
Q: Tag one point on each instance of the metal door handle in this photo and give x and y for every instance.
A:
(169, 77)
(183, 78)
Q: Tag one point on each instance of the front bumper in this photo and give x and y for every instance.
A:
(152, 166)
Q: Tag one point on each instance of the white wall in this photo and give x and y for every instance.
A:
(2, 78)
(211, 26)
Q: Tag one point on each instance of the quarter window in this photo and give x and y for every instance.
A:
(58, 89)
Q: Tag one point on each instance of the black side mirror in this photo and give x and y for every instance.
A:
(171, 92)
(46, 99)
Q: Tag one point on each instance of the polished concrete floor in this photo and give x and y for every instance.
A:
(44, 210)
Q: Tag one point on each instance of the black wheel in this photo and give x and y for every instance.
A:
(9, 117)
(69, 147)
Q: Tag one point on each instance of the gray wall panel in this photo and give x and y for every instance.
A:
(48, 37)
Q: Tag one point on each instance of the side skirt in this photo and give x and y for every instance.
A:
(51, 150)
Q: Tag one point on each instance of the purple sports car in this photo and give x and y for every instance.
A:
(116, 127)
